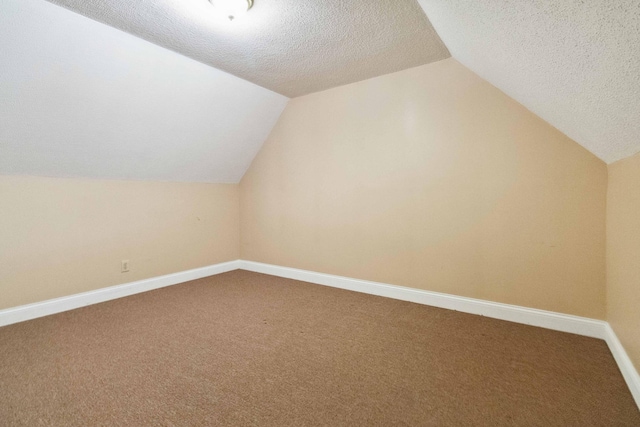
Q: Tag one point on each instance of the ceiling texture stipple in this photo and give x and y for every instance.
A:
(81, 99)
(291, 47)
(574, 63)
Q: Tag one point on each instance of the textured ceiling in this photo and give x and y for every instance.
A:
(289, 46)
(575, 63)
(81, 99)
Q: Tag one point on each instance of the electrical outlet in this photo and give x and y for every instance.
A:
(124, 266)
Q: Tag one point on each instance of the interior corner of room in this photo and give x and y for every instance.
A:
(491, 175)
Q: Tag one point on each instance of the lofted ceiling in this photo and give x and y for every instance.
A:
(574, 63)
(81, 99)
(291, 47)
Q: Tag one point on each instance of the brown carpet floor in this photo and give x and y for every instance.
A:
(245, 349)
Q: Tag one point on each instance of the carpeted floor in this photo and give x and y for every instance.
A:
(242, 349)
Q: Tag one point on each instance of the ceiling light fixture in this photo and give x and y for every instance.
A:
(232, 8)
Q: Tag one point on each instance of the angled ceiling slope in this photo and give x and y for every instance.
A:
(81, 99)
(289, 46)
(574, 63)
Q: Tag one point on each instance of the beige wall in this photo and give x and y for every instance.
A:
(623, 254)
(434, 179)
(64, 236)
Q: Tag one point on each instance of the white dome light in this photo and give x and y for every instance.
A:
(232, 8)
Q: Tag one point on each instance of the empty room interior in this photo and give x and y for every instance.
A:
(319, 213)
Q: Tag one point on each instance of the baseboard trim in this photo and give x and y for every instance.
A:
(57, 305)
(625, 364)
(513, 313)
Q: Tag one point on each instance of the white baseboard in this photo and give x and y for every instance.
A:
(529, 316)
(57, 305)
(513, 313)
(625, 364)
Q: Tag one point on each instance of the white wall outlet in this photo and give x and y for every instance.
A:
(124, 266)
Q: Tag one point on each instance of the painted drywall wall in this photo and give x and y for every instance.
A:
(623, 254)
(81, 99)
(431, 178)
(65, 236)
